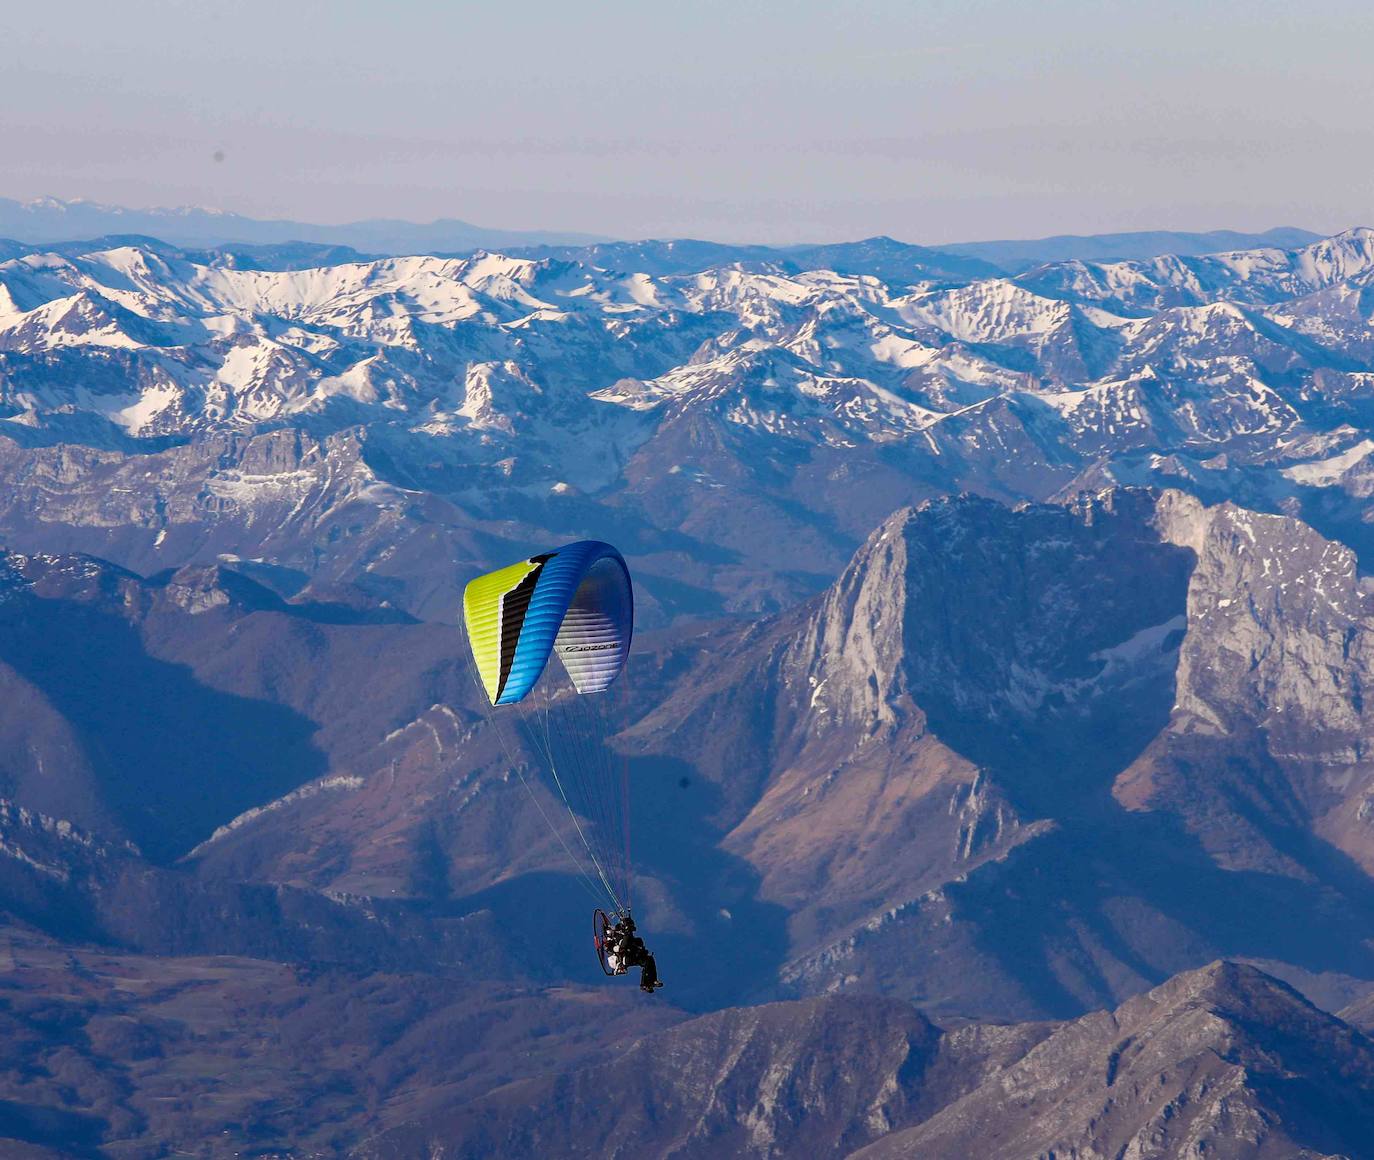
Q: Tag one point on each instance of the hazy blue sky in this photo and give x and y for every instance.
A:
(930, 121)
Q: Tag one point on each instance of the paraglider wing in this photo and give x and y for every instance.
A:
(576, 602)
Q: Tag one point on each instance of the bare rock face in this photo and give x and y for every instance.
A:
(1223, 1062)
(819, 1077)
(960, 636)
(979, 614)
(1360, 1013)
(1270, 707)
(849, 655)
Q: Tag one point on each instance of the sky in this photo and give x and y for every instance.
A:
(930, 121)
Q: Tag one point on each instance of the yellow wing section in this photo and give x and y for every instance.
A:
(482, 614)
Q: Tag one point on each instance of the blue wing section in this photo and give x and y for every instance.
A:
(608, 607)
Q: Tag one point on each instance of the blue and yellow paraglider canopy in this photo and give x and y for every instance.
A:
(576, 603)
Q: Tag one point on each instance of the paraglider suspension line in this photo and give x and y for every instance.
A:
(495, 725)
(572, 813)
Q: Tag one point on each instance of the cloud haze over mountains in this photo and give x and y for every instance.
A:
(756, 123)
(50, 219)
(46, 220)
(996, 722)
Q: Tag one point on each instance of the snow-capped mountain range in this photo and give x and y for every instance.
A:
(761, 413)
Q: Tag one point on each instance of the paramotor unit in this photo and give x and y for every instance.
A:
(601, 926)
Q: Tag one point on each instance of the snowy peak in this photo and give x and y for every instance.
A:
(1259, 277)
(994, 311)
(1341, 258)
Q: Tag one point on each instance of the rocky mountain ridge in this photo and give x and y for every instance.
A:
(1222, 1061)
